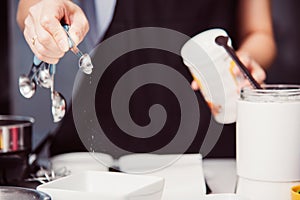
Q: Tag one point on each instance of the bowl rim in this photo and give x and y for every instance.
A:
(24, 120)
(41, 195)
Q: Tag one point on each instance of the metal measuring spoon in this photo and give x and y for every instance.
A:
(58, 107)
(27, 83)
(26, 86)
(85, 62)
(43, 76)
(222, 41)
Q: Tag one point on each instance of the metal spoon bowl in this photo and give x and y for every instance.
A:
(26, 86)
(44, 78)
(58, 106)
(85, 64)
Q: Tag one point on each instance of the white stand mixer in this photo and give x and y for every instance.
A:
(268, 135)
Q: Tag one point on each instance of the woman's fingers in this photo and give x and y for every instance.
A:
(43, 30)
(37, 48)
(254, 68)
(194, 85)
(79, 25)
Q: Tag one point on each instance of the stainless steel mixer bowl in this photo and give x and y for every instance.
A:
(20, 193)
(15, 133)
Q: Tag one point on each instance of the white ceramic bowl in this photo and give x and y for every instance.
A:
(95, 185)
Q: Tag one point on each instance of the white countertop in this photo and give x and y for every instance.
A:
(185, 175)
(219, 174)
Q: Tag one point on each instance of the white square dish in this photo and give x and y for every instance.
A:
(98, 185)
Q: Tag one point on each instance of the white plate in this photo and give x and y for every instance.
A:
(98, 185)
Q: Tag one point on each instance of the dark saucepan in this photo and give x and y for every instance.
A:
(15, 146)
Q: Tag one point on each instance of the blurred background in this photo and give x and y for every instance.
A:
(16, 59)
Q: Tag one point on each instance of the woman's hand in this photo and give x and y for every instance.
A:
(254, 68)
(43, 30)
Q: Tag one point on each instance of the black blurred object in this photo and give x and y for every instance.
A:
(14, 167)
(286, 67)
(114, 169)
(4, 51)
(14, 153)
(18, 165)
(208, 190)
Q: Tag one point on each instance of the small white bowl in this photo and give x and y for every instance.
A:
(81, 161)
